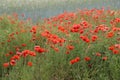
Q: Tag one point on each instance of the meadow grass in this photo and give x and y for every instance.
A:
(81, 45)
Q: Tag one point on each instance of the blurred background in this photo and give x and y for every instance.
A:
(38, 9)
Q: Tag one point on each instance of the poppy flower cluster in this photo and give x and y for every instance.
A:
(115, 21)
(62, 29)
(76, 28)
(39, 49)
(18, 56)
(94, 38)
(110, 34)
(101, 27)
(85, 38)
(70, 47)
(115, 48)
(34, 29)
(77, 59)
(52, 38)
(81, 27)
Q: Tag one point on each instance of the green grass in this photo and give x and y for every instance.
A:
(53, 64)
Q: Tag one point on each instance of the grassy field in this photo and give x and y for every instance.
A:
(59, 40)
(81, 45)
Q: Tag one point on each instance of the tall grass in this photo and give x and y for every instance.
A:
(81, 45)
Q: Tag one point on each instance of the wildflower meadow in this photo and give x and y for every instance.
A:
(73, 45)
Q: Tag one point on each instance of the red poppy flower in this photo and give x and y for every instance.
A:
(72, 61)
(6, 65)
(77, 59)
(67, 52)
(70, 47)
(29, 64)
(98, 54)
(25, 53)
(10, 52)
(12, 62)
(56, 49)
(32, 53)
(7, 55)
(104, 58)
(94, 37)
(87, 58)
(23, 45)
(111, 48)
(110, 34)
(16, 57)
(115, 51)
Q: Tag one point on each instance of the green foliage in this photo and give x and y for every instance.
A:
(54, 63)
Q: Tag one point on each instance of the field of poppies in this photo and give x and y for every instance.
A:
(81, 45)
